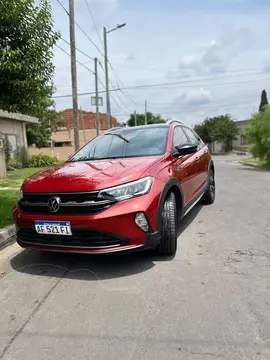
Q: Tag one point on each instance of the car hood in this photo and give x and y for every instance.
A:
(88, 175)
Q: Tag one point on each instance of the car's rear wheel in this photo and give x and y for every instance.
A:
(210, 193)
(168, 242)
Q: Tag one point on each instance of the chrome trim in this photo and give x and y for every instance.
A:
(69, 246)
(75, 250)
(62, 193)
(192, 206)
(69, 203)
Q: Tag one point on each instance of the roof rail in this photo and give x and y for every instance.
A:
(169, 122)
(112, 129)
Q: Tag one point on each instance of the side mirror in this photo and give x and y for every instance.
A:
(186, 149)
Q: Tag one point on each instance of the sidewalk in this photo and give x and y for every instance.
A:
(7, 236)
(9, 188)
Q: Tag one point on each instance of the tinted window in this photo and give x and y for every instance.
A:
(179, 137)
(194, 138)
(126, 143)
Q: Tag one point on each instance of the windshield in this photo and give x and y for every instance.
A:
(125, 143)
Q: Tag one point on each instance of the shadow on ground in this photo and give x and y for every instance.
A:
(92, 267)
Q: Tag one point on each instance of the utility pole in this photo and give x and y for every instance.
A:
(135, 117)
(97, 98)
(74, 74)
(82, 119)
(108, 104)
(145, 112)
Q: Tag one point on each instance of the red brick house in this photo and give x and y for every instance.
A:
(89, 120)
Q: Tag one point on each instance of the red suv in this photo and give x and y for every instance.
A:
(126, 189)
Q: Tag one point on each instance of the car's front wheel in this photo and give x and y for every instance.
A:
(168, 242)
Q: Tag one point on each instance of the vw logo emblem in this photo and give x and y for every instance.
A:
(54, 204)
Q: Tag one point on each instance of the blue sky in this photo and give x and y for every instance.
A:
(217, 51)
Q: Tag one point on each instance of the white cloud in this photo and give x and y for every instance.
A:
(195, 97)
(130, 57)
(205, 44)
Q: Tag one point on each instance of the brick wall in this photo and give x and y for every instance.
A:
(62, 153)
(89, 119)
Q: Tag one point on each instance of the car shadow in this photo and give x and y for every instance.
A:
(92, 267)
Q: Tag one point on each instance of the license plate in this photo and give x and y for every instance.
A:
(53, 227)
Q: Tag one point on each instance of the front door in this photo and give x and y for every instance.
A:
(202, 176)
(184, 168)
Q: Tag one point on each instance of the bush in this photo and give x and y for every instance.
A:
(40, 160)
(258, 135)
(14, 164)
(7, 149)
(22, 157)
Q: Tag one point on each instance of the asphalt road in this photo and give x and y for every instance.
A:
(212, 301)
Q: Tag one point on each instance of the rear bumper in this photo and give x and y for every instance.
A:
(152, 240)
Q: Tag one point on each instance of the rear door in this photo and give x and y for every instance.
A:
(199, 159)
(184, 168)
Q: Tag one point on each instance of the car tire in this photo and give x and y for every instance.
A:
(168, 242)
(210, 193)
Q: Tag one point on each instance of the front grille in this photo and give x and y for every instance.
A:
(81, 238)
(71, 203)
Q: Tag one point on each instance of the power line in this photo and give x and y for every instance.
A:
(172, 84)
(79, 27)
(80, 51)
(92, 17)
(125, 93)
(116, 92)
(92, 72)
(186, 110)
(197, 74)
(116, 103)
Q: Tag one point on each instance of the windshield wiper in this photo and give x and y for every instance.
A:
(84, 158)
(118, 135)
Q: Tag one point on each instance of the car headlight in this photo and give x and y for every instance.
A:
(129, 190)
(20, 195)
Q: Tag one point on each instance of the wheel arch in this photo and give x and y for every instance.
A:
(174, 186)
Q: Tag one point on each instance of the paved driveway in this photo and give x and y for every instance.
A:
(212, 301)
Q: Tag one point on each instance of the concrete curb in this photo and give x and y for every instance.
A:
(9, 188)
(236, 152)
(259, 167)
(7, 236)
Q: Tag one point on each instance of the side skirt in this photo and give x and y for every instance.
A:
(191, 205)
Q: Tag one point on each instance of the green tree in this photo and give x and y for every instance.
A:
(26, 52)
(151, 119)
(49, 119)
(258, 135)
(206, 130)
(225, 130)
(264, 101)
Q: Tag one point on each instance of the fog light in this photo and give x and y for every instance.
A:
(141, 221)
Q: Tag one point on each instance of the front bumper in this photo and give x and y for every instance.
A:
(115, 226)
(152, 240)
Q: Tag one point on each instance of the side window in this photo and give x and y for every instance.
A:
(193, 136)
(179, 137)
